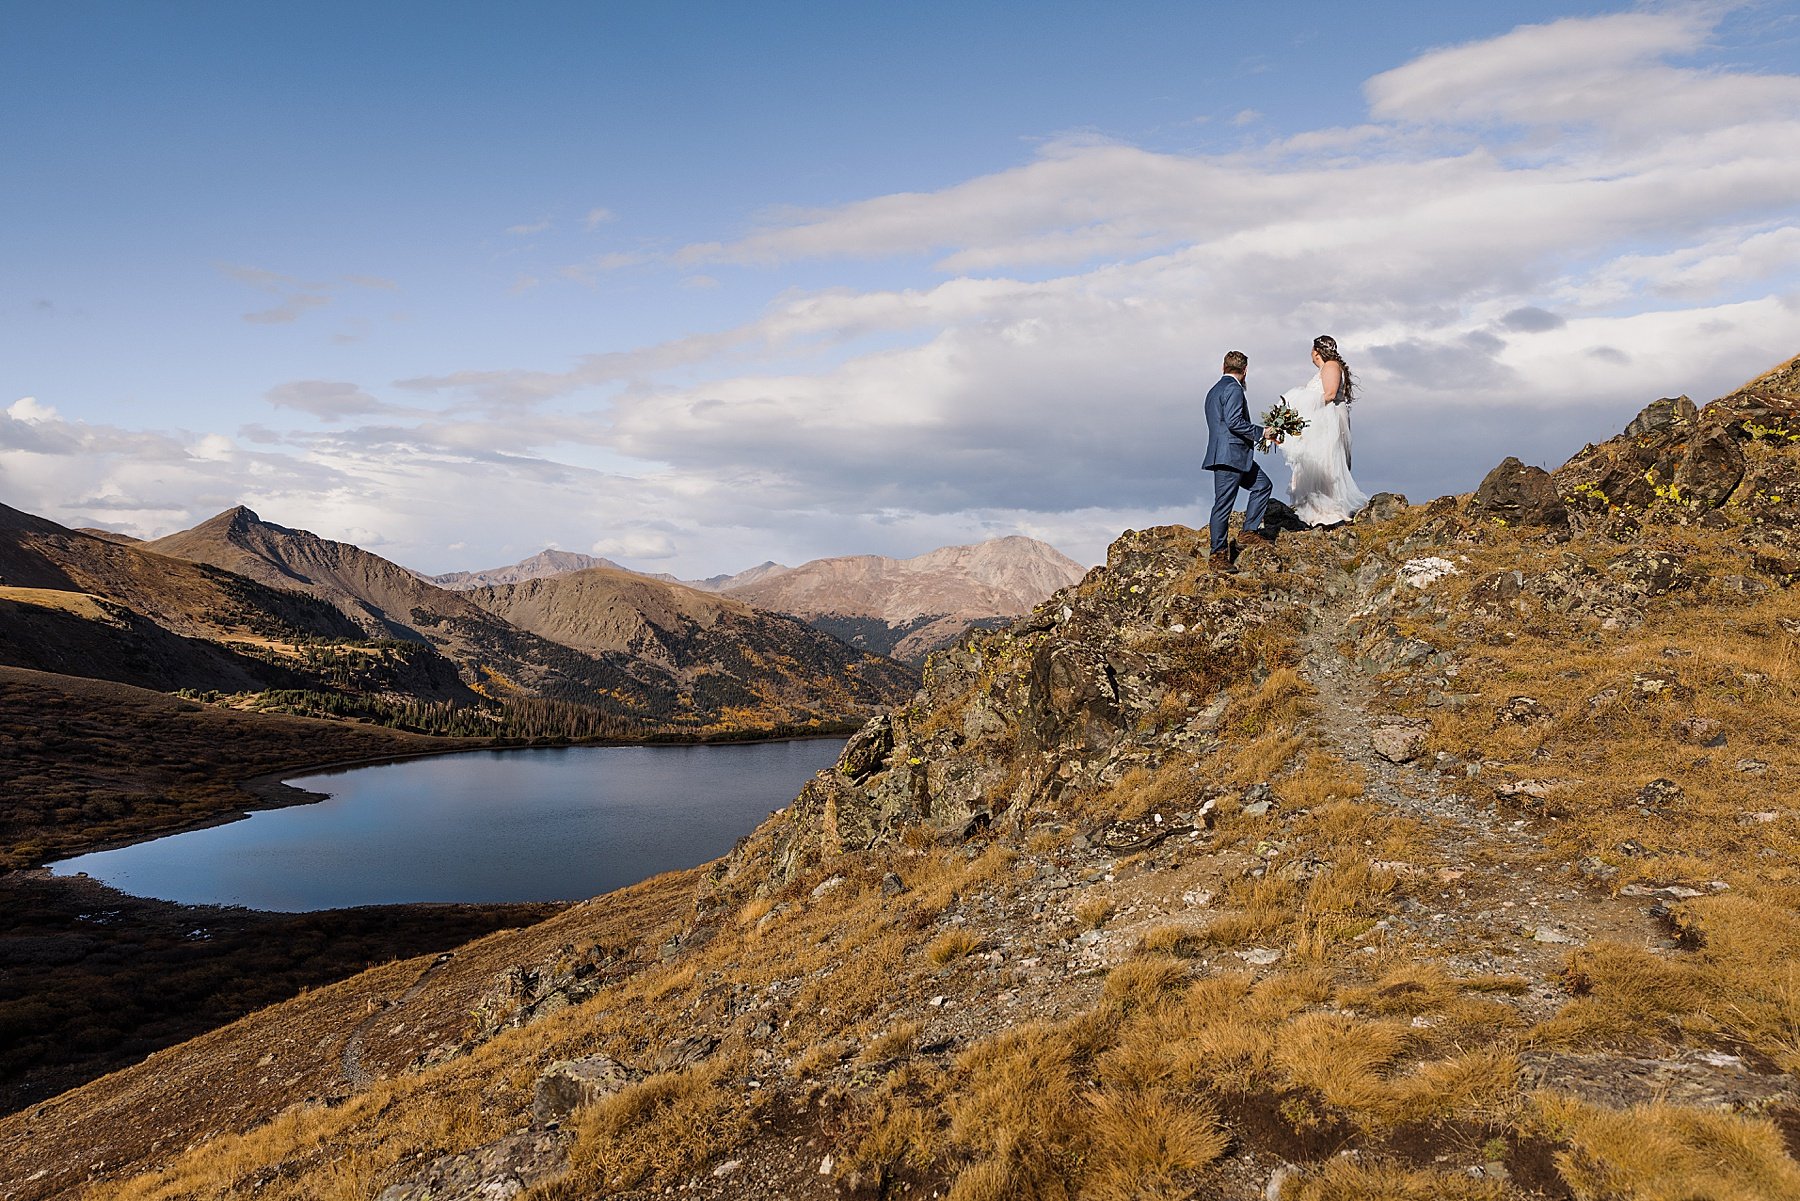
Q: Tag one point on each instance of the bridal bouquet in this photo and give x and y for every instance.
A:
(1282, 422)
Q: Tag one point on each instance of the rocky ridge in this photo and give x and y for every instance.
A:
(1441, 855)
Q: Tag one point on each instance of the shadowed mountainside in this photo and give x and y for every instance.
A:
(1449, 854)
(725, 653)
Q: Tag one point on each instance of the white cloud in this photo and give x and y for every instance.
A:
(328, 400)
(530, 227)
(597, 217)
(635, 544)
(27, 408)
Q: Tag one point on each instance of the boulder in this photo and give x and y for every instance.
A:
(1521, 711)
(1660, 415)
(495, 1172)
(1661, 795)
(1383, 506)
(1519, 494)
(868, 751)
(569, 1084)
(1398, 744)
(1650, 572)
(1710, 470)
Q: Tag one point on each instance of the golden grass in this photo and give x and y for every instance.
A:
(951, 945)
(891, 1043)
(1355, 1180)
(1145, 1142)
(1663, 1152)
(653, 1130)
(1092, 910)
(80, 604)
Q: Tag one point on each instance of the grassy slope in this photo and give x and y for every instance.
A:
(86, 763)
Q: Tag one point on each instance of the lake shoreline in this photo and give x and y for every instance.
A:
(271, 789)
(565, 822)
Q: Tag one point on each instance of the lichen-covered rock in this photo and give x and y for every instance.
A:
(1398, 743)
(1519, 494)
(1660, 415)
(495, 1172)
(1710, 470)
(1383, 506)
(1678, 463)
(569, 1084)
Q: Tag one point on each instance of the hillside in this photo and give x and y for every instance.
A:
(1450, 854)
(90, 606)
(724, 653)
(86, 763)
(909, 607)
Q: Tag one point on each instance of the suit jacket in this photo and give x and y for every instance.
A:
(1231, 436)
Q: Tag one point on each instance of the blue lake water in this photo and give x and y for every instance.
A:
(487, 826)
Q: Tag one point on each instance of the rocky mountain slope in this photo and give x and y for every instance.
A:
(1451, 854)
(547, 562)
(726, 654)
(83, 605)
(909, 607)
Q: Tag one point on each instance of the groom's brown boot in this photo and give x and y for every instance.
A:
(1220, 560)
(1255, 538)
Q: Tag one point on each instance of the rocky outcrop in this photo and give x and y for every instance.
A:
(1119, 672)
(501, 1169)
(569, 1084)
(1678, 463)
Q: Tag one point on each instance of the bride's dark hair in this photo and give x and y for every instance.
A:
(1326, 345)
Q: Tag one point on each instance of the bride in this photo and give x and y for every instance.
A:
(1321, 491)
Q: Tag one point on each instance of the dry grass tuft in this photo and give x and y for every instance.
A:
(891, 1043)
(1176, 938)
(951, 945)
(1093, 910)
(1623, 994)
(1662, 1152)
(1355, 1180)
(1145, 1141)
(656, 1129)
(1143, 981)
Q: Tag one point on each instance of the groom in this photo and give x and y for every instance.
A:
(1231, 441)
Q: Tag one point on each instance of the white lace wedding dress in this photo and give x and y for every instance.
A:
(1321, 490)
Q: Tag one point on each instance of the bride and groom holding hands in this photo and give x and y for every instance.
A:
(1321, 491)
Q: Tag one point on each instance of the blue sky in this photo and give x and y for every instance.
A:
(698, 285)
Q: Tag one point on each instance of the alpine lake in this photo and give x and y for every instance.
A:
(489, 827)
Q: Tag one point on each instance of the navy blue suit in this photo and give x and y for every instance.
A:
(1231, 439)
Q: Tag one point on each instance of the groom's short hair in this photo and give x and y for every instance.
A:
(1236, 362)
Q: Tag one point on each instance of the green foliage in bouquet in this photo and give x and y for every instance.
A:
(1281, 422)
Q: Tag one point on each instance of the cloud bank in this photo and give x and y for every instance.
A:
(1525, 239)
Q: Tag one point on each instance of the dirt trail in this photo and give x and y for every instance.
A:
(355, 1074)
(1507, 905)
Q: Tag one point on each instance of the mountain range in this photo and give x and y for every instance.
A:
(243, 606)
(904, 608)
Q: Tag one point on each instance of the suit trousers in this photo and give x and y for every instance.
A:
(1227, 481)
